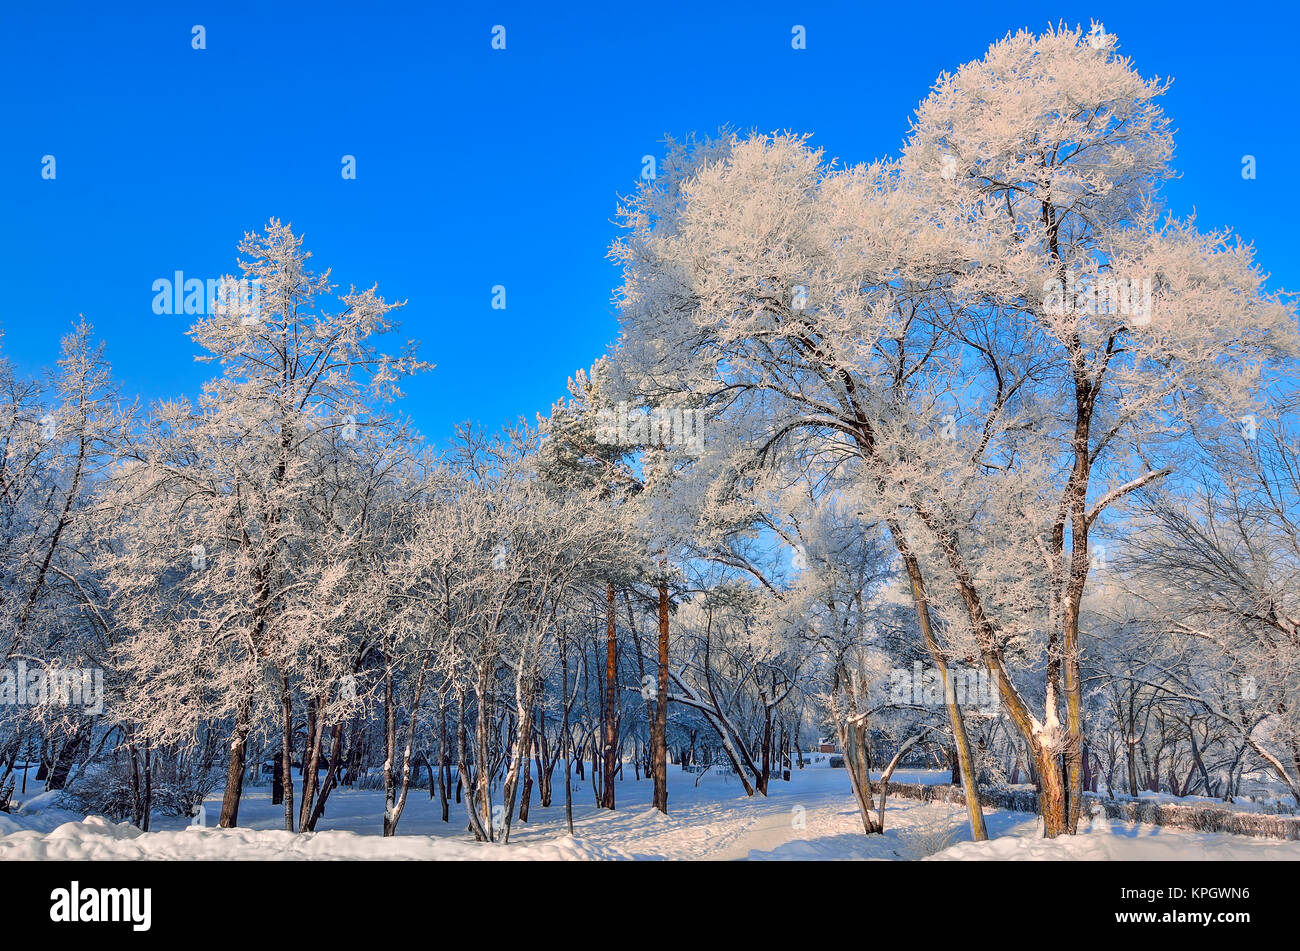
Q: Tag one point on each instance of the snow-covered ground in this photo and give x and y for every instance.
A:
(811, 817)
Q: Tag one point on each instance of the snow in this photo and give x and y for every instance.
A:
(1122, 843)
(811, 817)
(41, 812)
(96, 839)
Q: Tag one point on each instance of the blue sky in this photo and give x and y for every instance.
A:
(478, 167)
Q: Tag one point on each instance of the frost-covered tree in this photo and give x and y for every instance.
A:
(218, 576)
(951, 327)
(1092, 329)
(1216, 571)
(59, 436)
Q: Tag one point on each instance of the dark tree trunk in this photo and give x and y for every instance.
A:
(235, 767)
(286, 751)
(611, 697)
(277, 781)
(67, 758)
(331, 779)
(659, 736)
(567, 736)
(444, 764)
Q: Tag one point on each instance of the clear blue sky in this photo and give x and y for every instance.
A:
(478, 167)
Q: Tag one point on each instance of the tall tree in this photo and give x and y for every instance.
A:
(218, 578)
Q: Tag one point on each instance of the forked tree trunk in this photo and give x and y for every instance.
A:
(889, 772)
(462, 768)
(311, 761)
(857, 760)
(393, 809)
(525, 684)
(545, 757)
(331, 778)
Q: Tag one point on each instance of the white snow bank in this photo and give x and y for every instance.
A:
(95, 838)
(812, 817)
(40, 813)
(1141, 843)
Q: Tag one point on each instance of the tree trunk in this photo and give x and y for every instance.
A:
(567, 736)
(545, 758)
(148, 785)
(1130, 742)
(66, 758)
(525, 682)
(611, 697)
(857, 759)
(659, 736)
(961, 743)
(235, 768)
(277, 781)
(393, 809)
(331, 778)
(462, 769)
(444, 759)
(484, 769)
(286, 750)
(1052, 792)
(311, 761)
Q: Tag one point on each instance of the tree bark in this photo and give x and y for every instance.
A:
(611, 697)
(331, 778)
(286, 751)
(659, 737)
(961, 742)
(235, 768)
